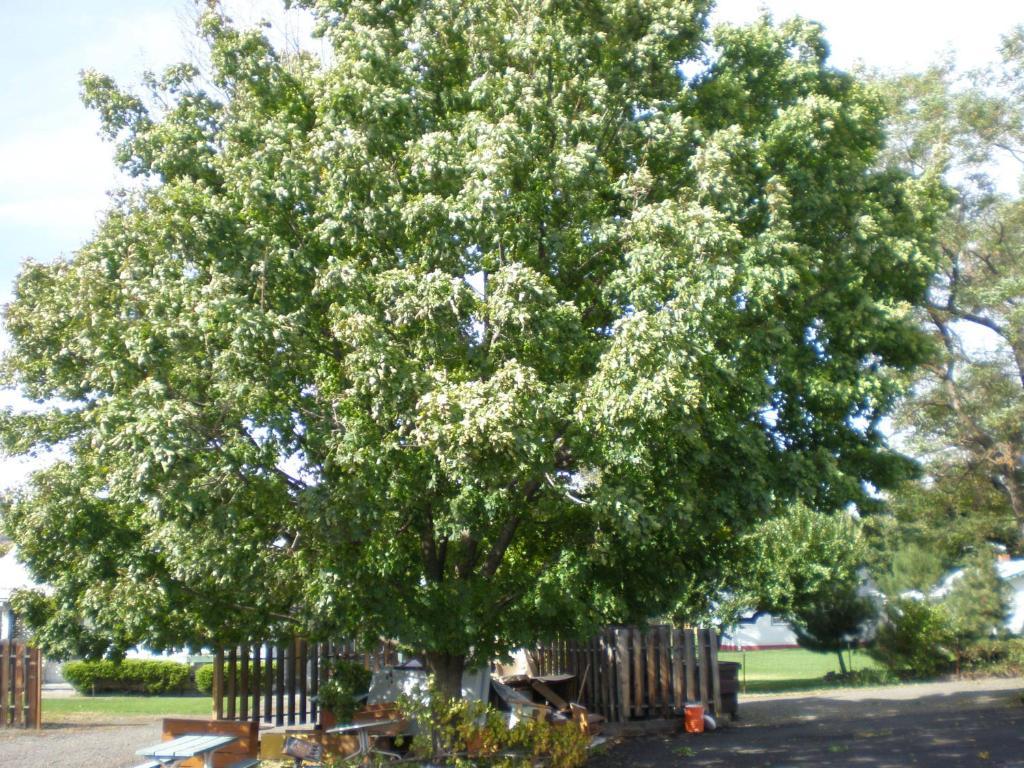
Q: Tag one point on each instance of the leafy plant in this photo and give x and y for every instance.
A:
(461, 733)
(347, 681)
(1004, 658)
(128, 676)
(914, 639)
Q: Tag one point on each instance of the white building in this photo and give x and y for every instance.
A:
(13, 576)
(758, 631)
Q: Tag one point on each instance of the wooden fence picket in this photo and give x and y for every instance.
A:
(21, 685)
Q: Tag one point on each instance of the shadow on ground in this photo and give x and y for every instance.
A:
(981, 727)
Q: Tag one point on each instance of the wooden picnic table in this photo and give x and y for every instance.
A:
(173, 752)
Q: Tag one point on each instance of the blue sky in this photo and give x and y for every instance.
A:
(55, 171)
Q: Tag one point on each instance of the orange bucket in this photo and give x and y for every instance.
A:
(693, 718)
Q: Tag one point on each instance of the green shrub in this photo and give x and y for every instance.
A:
(1004, 658)
(860, 678)
(204, 676)
(470, 734)
(128, 676)
(914, 639)
(338, 693)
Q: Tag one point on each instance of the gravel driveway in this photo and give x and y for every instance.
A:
(952, 725)
(79, 745)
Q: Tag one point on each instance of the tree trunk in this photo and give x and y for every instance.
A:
(1015, 492)
(447, 671)
(842, 664)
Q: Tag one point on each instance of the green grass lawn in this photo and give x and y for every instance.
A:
(791, 669)
(87, 707)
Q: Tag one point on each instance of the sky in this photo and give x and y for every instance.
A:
(55, 171)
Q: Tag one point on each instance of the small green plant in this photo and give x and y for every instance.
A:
(860, 678)
(685, 751)
(130, 675)
(468, 734)
(339, 693)
(1002, 658)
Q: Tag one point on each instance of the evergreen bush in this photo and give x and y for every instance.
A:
(914, 639)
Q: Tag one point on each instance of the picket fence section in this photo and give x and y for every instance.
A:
(278, 683)
(626, 673)
(623, 673)
(21, 685)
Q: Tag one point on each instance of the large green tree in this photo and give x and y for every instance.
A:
(965, 418)
(492, 325)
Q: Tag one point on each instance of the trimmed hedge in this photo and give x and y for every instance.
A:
(128, 676)
(204, 676)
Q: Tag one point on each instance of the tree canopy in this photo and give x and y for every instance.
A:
(963, 417)
(505, 319)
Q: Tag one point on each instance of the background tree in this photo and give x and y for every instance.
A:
(807, 566)
(491, 327)
(977, 603)
(833, 620)
(965, 416)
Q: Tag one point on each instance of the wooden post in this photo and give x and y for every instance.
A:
(664, 671)
(593, 692)
(594, 686)
(678, 667)
(268, 684)
(622, 663)
(217, 691)
(716, 681)
(291, 681)
(703, 668)
(690, 657)
(636, 660)
(231, 686)
(314, 682)
(608, 650)
(651, 662)
(5, 682)
(243, 686)
(19, 683)
(35, 688)
(303, 675)
(279, 698)
(257, 674)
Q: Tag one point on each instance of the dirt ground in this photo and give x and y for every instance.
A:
(83, 744)
(964, 723)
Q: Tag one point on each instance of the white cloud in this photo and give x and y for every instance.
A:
(904, 35)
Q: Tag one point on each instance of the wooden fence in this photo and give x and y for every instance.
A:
(278, 683)
(626, 674)
(21, 685)
(623, 673)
